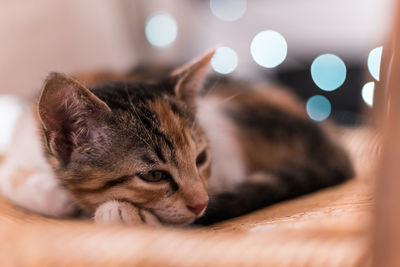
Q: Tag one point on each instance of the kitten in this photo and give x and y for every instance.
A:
(157, 152)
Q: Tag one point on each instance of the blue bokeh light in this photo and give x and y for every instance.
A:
(367, 93)
(318, 107)
(374, 62)
(161, 29)
(225, 60)
(268, 49)
(228, 10)
(328, 72)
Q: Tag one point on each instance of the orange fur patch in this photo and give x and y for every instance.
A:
(20, 176)
(170, 123)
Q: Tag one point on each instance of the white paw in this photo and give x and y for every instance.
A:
(118, 212)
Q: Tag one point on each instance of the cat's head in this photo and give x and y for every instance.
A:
(134, 142)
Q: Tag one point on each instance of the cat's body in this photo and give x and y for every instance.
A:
(149, 152)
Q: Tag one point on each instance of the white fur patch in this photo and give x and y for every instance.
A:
(39, 191)
(227, 166)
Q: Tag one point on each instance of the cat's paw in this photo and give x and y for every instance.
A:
(56, 201)
(118, 212)
(37, 191)
(149, 218)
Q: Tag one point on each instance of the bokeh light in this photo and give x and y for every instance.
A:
(318, 108)
(161, 29)
(228, 10)
(225, 60)
(268, 49)
(328, 72)
(10, 108)
(374, 62)
(367, 93)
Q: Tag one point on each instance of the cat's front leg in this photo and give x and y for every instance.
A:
(37, 191)
(120, 212)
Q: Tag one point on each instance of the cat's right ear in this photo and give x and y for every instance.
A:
(68, 112)
(188, 79)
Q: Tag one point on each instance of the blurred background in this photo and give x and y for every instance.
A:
(327, 51)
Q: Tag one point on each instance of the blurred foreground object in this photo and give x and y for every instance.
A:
(386, 243)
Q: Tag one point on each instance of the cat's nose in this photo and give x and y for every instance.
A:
(198, 208)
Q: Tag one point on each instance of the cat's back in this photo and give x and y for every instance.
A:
(267, 125)
(255, 98)
(238, 119)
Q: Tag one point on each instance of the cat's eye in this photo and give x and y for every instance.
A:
(155, 176)
(201, 158)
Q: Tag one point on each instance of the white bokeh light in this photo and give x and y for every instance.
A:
(374, 62)
(10, 108)
(318, 108)
(161, 29)
(228, 10)
(268, 49)
(367, 93)
(225, 60)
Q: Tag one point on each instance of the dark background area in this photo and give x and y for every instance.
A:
(346, 101)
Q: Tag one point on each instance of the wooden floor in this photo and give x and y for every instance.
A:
(327, 228)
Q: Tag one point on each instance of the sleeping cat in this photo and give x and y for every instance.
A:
(163, 152)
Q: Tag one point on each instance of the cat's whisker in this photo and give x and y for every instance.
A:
(142, 139)
(212, 87)
(229, 98)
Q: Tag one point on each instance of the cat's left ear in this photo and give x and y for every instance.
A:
(69, 114)
(188, 79)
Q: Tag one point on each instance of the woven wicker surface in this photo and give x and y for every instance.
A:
(327, 228)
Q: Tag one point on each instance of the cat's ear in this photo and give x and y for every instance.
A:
(188, 79)
(69, 114)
